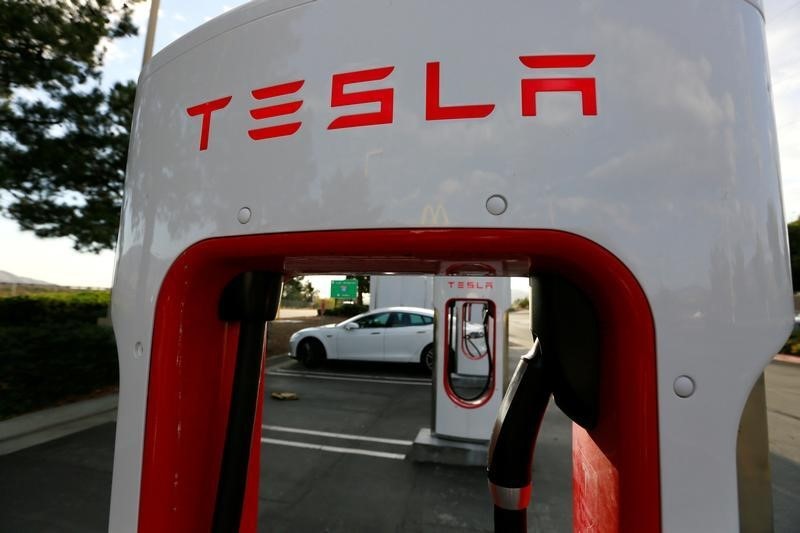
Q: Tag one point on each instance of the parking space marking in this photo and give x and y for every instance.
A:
(346, 436)
(335, 449)
(339, 374)
(349, 377)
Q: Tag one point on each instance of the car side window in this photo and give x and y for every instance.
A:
(427, 320)
(373, 321)
(420, 320)
(400, 320)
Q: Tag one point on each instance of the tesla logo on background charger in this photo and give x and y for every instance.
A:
(267, 128)
(470, 284)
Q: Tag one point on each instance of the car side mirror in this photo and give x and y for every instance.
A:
(351, 326)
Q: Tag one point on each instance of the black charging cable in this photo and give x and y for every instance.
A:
(453, 352)
(251, 299)
(489, 355)
(514, 439)
(472, 349)
(568, 368)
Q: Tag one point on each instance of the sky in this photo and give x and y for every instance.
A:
(54, 260)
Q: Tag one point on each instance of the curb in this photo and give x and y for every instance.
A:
(277, 359)
(43, 426)
(49, 424)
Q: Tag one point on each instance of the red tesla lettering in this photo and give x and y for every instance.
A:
(205, 109)
(384, 97)
(435, 111)
(277, 110)
(585, 86)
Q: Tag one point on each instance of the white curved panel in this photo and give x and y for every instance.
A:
(676, 174)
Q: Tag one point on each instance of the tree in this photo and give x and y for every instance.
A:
(63, 139)
(363, 287)
(294, 290)
(794, 252)
(521, 303)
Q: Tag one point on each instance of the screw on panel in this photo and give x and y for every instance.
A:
(496, 204)
(683, 386)
(244, 215)
(138, 350)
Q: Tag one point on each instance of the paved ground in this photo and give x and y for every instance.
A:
(352, 484)
(783, 417)
(519, 330)
(351, 487)
(783, 409)
(287, 312)
(61, 486)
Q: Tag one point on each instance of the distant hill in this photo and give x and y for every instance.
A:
(8, 277)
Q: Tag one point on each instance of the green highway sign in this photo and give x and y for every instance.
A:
(345, 289)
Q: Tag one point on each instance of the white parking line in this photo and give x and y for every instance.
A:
(366, 376)
(348, 377)
(335, 449)
(397, 442)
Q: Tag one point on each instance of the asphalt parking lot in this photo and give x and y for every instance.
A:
(335, 459)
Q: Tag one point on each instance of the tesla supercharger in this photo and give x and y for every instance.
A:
(620, 152)
(471, 352)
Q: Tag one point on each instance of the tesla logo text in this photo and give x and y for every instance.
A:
(471, 284)
(271, 120)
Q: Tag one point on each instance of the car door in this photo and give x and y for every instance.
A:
(406, 336)
(366, 341)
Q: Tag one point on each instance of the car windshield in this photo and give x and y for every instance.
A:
(351, 319)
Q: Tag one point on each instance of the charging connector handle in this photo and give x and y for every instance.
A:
(514, 439)
(252, 300)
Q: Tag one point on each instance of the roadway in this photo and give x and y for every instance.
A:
(783, 418)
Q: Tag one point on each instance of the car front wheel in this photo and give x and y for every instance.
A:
(311, 353)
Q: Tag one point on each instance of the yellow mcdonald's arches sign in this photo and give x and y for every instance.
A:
(434, 217)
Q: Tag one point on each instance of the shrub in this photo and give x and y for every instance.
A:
(52, 350)
(85, 307)
(521, 303)
(347, 310)
(792, 346)
(44, 364)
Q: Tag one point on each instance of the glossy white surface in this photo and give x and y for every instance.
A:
(416, 291)
(677, 175)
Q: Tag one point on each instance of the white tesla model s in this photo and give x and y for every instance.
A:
(392, 334)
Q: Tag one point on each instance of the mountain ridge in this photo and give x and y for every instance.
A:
(9, 278)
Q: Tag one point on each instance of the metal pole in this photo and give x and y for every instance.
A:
(151, 32)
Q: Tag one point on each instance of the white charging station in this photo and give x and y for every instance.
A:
(626, 146)
(471, 350)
